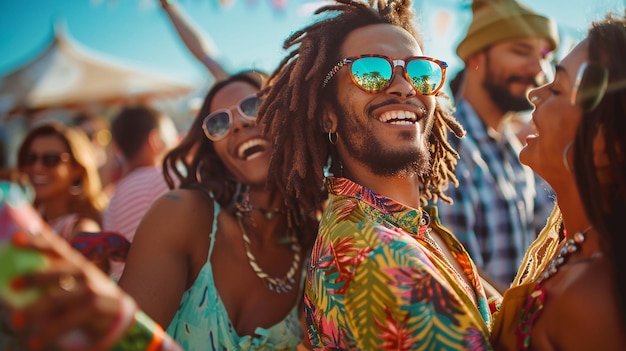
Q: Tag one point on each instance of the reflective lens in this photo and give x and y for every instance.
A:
(250, 106)
(425, 76)
(590, 85)
(49, 160)
(374, 73)
(218, 123)
(371, 73)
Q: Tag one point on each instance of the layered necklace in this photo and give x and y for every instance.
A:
(536, 300)
(571, 245)
(278, 285)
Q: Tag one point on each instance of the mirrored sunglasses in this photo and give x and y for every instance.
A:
(217, 124)
(374, 73)
(48, 159)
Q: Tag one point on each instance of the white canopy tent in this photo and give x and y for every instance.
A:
(66, 74)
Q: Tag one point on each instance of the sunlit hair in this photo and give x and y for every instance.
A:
(195, 163)
(91, 201)
(293, 107)
(606, 206)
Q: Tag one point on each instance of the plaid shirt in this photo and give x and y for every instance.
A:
(500, 204)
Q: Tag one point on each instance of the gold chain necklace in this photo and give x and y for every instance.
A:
(278, 285)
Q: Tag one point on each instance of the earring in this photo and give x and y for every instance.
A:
(332, 137)
(241, 199)
(76, 188)
(565, 160)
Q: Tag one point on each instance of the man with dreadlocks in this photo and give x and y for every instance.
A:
(357, 91)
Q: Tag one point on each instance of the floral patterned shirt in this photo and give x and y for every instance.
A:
(377, 280)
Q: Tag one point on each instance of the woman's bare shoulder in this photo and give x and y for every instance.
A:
(589, 299)
(180, 211)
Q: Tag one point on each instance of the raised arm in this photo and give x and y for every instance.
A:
(193, 39)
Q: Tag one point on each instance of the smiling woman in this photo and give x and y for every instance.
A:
(60, 164)
(229, 256)
(573, 275)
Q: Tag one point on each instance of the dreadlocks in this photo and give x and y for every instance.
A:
(606, 205)
(292, 110)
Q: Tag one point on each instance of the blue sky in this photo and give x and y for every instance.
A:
(247, 33)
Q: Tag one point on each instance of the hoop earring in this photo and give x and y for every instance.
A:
(565, 160)
(76, 188)
(241, 199)
(332, 137)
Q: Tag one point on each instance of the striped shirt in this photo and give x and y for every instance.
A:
(500, 205)
(133, 196)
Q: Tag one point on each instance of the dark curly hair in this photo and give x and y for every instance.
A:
(605, 206)
(196, 165)
(292, 110)
(194, 161)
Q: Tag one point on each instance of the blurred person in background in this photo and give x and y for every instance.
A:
(499, 204)
(98, 130)
(193, 39)
(61, 166)
(142, 135)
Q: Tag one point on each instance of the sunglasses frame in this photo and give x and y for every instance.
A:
(590, 86)
(228, 112)
(393, 63)
(32, 158)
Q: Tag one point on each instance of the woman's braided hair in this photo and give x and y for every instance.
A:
(292, 110)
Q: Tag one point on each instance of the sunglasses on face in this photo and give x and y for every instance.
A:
(217, 124)
(374, 73)
(590, 86)
(48, 159)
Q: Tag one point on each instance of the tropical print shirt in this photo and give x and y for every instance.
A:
(377, 280)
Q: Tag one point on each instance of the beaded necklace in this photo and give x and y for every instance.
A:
(278, 285)
(536, 301)
(571, 245)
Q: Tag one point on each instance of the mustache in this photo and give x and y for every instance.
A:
(398, 102)
(535, 81)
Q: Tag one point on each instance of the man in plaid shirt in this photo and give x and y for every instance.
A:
(499, 205)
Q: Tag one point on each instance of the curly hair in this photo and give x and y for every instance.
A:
(195, 163)
(292, 109)
(605, 206)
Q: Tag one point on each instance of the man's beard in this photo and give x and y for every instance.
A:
(500, 93)
(363, 145)
(504, 100)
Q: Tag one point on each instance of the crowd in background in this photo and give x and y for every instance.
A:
(256, 230)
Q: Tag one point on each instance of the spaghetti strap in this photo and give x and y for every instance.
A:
(216, 211)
